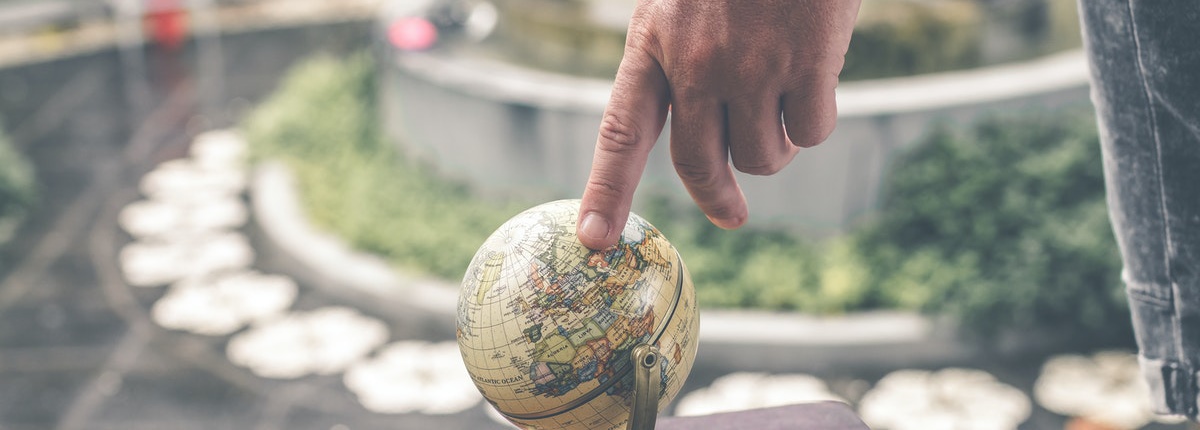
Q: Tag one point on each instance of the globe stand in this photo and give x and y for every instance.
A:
(647, 385)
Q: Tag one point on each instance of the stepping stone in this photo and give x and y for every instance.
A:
(186, 180)
(219, 149)
(161, 262)
(1106, 388)
(743, 391)
(219, 305)
(948, 399)
(148, 219)
(414, 376)
(322, 341)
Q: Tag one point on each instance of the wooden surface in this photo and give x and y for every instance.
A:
(810, 416)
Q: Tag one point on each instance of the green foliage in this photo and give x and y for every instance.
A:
(1062, 22)
(323, 124)
(764, 269)
(891, 37)
(1038, 27)
(904, 37)
(17, 190)
(1002, 226)
(907, 37)
(561, 36)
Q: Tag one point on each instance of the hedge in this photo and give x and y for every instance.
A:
(1001, 225)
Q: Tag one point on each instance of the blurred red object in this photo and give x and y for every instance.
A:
(412, 34)
(166, 21)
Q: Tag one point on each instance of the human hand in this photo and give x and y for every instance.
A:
(750, 81)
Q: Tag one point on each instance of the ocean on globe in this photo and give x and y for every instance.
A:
(546, 326)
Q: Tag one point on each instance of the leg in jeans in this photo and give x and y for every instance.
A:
(1145, 66)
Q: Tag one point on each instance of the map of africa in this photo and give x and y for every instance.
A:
(546, 326)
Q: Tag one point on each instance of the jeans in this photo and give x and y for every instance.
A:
(1145, 66)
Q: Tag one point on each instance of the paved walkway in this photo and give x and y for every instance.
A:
(87, 341)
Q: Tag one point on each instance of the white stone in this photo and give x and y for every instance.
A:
(219, 149)
(322, 341)
(148, 219)
(151, 264)
(185, 180)
(743, 390)
(159, 262)
(195, 309)
(220, 305)
(414, 376)
(948, 399)
(1106, 387)
(222, 213)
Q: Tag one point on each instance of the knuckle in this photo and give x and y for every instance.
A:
(690, 90)
(697, 175)
(753, 156)
(733, 215)
(694, 71)
(640, 41)
(617, 134)
(638, 35)
(812, 120)
(813, 80)
(697, 87)
(603, 187)
(699, 56)
(758, 68)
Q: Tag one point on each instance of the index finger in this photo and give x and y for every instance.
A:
(631, 124)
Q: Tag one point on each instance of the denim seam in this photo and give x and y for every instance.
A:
(1150, 299)
(1153, 113)
(1188, 405)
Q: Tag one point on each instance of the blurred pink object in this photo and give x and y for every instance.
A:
(412, 34)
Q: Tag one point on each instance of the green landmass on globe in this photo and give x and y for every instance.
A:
(546, 326)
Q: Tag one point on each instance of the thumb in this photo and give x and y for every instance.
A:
(631, 124)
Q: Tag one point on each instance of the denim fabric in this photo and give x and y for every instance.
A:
(1145, 66)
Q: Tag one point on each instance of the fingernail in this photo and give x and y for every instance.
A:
(594, 226)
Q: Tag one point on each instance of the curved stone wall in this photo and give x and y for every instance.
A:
(508, 130)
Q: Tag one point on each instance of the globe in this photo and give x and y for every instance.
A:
(546, 326)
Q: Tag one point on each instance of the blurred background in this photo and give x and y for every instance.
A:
(254, 214)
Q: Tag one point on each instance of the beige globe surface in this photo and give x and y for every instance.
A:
(546, 326)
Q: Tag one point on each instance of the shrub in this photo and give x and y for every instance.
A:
(763, 269)
(1003, 225)
(17, 191)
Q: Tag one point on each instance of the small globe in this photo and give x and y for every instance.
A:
(546, 326)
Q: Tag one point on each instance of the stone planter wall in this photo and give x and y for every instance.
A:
(508, 130)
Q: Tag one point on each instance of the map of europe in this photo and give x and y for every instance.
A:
(546, 325)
